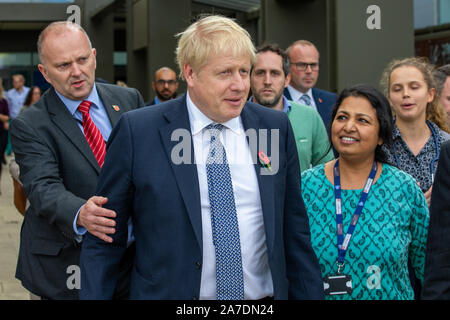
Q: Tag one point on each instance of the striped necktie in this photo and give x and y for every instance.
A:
(224, 222)
(92, 134)
(305, 99)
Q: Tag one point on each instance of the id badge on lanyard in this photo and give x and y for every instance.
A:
(341, 283)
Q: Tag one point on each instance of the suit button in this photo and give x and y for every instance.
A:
(194, 298)
(198, 265)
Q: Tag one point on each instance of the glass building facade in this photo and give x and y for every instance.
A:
(432, 24)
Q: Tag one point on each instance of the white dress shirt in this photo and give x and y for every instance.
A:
(296, 95)
(255, 265)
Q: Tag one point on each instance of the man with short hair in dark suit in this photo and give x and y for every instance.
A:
(213, 216)
(165, 86)
(59, 145)
(304, 58)
(436, 283)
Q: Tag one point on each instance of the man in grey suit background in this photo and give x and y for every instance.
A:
(59, 145)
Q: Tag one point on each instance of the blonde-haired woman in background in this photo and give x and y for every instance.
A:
(420, 125)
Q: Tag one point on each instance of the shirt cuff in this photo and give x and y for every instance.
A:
(79, 231)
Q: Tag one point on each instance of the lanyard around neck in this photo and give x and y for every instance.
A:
(344, 242)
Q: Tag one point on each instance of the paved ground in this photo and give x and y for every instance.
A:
(10, 222)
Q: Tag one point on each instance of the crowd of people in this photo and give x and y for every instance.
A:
(253, 184)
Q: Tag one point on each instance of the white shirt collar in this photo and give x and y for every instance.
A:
(296, 95)
(199, 120)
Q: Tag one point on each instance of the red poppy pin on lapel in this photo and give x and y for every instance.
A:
(320, 100)
(264, 160)
(116, 108)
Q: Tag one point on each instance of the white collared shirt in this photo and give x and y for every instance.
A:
(255, 265)
(296, 95)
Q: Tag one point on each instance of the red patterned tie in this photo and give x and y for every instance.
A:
(92, 134)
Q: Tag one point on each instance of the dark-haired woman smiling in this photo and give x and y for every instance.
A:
(366, 217)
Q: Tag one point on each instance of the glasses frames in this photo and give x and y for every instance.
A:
(162, 83)
(302, 66)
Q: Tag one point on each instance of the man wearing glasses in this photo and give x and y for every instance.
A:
(304, 59)
(165, 85)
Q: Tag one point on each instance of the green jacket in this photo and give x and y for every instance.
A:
(310, 136)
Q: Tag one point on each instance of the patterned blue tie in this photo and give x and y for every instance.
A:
(225, 228)
(306, 99)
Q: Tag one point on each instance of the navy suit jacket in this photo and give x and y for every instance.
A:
(150, 103)
(324, 100)
(163, 198)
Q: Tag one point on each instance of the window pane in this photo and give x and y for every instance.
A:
(36, 1)
(35, 59)
(15, 59)
(120, 58)
(444, 11)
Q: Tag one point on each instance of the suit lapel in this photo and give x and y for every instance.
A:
(112, 108)
(250, 120)
(318, 100)
(185, 174)
(287, 94)
(62, 118)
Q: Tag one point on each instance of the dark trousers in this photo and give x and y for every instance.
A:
(415, 283)
(3, 142)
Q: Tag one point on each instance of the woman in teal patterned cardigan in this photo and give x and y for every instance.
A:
(392, 225)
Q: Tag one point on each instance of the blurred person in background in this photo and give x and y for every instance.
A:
(442, 77)
(4, 126)
(165, 86)
(32, 97)
(121, 83)
(16, 97)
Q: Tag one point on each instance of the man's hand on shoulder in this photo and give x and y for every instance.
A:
(96, 219)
